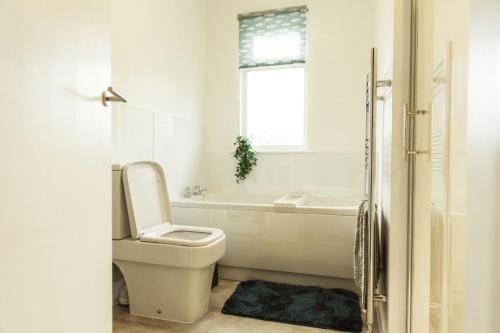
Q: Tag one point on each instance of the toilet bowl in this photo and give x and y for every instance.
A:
(168, 268)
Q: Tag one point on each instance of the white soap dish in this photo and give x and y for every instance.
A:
(291, 200)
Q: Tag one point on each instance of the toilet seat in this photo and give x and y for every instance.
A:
(149, 213)
(167, 233)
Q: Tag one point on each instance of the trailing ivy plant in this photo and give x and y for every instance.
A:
(245, 156)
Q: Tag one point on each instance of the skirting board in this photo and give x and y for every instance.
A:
(243, 274)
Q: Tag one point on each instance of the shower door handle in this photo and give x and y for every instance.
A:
(409, 123)
(405, 130)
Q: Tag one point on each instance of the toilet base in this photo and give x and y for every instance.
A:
(166, 292)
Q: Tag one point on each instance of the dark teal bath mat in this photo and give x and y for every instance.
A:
(336, 309)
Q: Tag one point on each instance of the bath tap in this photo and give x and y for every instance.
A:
(187, 193)
(197, 190)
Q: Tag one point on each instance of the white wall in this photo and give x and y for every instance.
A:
(177, 63)
(158, 63)
(339, 41)
(483, 232)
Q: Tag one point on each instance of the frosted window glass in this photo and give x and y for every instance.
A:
(275, 107)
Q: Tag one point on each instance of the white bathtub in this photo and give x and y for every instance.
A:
(314, 239)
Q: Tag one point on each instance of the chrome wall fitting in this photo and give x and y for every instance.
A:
(115, 97)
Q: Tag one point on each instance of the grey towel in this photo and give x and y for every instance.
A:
(360, 256)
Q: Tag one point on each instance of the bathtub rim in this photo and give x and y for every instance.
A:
(319, 210)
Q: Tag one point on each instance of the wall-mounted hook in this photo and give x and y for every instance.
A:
(116, 97)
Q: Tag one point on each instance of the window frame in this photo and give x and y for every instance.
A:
(244, 114)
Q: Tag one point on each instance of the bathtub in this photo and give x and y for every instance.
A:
(315, 238)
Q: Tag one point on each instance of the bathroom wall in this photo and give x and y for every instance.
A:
(158, 64)
(179, 99)
(339, 41)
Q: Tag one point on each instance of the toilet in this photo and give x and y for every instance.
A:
(168, 268)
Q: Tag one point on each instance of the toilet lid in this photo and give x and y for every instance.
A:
(146, 194)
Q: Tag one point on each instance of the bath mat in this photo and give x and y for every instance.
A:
(336, 309)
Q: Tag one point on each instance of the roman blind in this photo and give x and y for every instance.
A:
(275, 37)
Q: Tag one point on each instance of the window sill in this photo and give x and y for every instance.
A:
(283, 152)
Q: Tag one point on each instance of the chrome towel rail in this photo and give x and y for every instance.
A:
(372, 100)
(371, 144)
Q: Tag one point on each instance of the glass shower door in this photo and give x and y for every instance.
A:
(439, 226)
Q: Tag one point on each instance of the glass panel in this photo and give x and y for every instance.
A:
(275, 107)
(438, 195)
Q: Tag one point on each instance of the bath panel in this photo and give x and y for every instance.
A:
(258, 237)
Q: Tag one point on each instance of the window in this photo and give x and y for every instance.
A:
(274, 107)
(272, 66)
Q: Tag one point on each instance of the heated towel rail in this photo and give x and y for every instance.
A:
(370, 179)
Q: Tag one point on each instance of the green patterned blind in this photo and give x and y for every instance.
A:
(276, 37)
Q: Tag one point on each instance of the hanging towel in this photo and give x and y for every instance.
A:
(361, 256)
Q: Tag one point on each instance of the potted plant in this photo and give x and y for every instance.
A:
(246, 158)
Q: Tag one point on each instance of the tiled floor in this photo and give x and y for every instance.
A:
(213, 322)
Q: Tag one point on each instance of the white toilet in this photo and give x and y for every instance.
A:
(168, 268)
